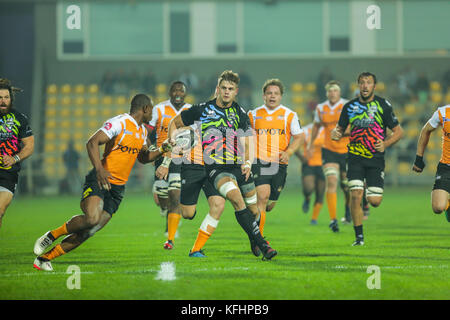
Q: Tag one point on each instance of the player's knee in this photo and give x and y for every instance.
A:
(91, 221)
(375, 201)
(270, 205)
(438, 208)
(374, 196)
(188, 214)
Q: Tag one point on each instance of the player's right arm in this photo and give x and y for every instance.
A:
(338, 132)
(93, 150)
(422, 143)
(317, 123)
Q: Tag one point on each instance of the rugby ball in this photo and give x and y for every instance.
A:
(186, 139)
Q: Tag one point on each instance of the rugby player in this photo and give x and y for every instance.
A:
(16, 144)
(275, 125)
(167, 172)
(125, 140)
(313, 179)
(334, 153)
(369, 117)
(226, 140)
(441, 187)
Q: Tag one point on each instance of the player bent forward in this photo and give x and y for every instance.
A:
(125, 139)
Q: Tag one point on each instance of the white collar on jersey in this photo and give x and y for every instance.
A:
(167, 102)
(334, 105)
(269, 111)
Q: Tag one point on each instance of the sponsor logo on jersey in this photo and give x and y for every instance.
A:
(108, 125)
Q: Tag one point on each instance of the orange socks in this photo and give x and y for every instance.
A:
(207, 227)
(54, 253)
(59, 231)
(332, 204)
(316, 211)
(173, 219)
(262, 222)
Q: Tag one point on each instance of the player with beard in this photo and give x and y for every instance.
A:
(369, 117)
(167, 171)
(16, 144)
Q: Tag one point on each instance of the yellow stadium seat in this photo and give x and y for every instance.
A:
(431, 158)
(93, 88)
(410, 109)
(79, 146)
(107, 100)
(52, 89)
(50, 112)
(106, 112)
(311, 87)
(52, 101)
(64, 136)
(79, 112)
(436, 97)
(80, 89)
(412, 132)
(435, 86)
(66, 89)
(447, 98)
(297, 99)
(65, 101)
(381, 87)
(297, 87)
(92, 112)
(79, 124)
(49, 135)
(77, 136)
(404, 168)
(50, 161)
(50, 147)
(93, 124)
(121, 100)
(79, 101)
(93, 101)
(50, 124)
(189, 99)
(161, 88)
(65, 124)
(300, 111)
(65, 113)
(122, 110)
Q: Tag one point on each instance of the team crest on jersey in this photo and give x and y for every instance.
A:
(280, 117)
(108, 125)
(269, 118)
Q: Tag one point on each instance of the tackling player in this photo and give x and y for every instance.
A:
(125, 140)
(369, 117)
(274, 125)
(441, 187)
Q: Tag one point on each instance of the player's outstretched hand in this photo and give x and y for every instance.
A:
(102, 179)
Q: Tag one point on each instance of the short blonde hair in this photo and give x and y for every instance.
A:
(228, 75)
(331, 84)
(273, 82)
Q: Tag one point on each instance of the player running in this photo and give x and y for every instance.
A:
(334, 153)
(125, 140)
(16, 144)
(274, 125)
(226, 135)
(167, 172)
(313, 179)
(441, 187)
(369, 116)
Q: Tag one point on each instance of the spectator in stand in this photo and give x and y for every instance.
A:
(325, 76)
(107, 83)
(446, 81)
(149, 83)
(191, 80)
(422, 87)
(245, 90)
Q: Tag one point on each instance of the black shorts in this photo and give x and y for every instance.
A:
(276, 180)
(329, 156)
(369, 170)
(216, 172)
(111, 199)
(442, 178)
(316, 171)
(9, 180)
(194, 179)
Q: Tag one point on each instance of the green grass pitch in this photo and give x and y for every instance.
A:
(409, 244)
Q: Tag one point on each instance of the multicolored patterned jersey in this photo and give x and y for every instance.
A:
(14, 126)
(368, 123)
(221, 129)
(441, 117)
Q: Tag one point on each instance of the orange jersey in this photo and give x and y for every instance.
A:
(328, 115)
(127, 140)
(161, 116)
(441, 117)
(316, 158)
(274, 129)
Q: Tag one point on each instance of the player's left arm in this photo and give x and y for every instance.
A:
(391, 122)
